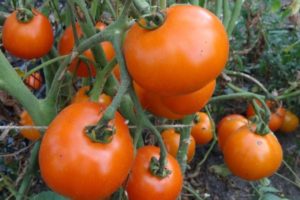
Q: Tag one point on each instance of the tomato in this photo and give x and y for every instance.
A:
(190, 103)
(34, 81)
(27, 40)
(290, 122)
(189, 50)
(277, 114)
(32, 133)
(202, 129)
(252, 156)
(66, 45)
(73, 165)
(81, 96)
(117, 72)
(143, 185)
(153, 103)
(171, 139)
(228, 125)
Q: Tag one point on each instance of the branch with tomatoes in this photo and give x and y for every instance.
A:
(145, 62)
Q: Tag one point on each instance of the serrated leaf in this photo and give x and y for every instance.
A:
(47, 195)
(220, 170)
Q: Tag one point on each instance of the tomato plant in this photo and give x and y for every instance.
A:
(142, 184)
(66, 44)
(277, 114)
(82, 96)
(31, 133)
(202, 129)
(290, 122)
(172, 138)
(228, 125)
(192, 102)
(160, 62)
(34, 81)
(86, 170)
(27, 40)
(252, 156)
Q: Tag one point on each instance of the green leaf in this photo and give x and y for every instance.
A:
(220, 170)
(264, 189)
(275, 5)
(270, 196)
(47, 195)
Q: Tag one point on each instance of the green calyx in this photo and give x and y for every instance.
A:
(156, 170)
(24, 15)
(103, 134)
(151, 21)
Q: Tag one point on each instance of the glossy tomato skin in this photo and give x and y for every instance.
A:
(82, 96)
(67, 42)
(290, 122)
(276, 118)
(32, 133)
(187, 52)
(190, 103)
(171, 139)
(29, 40)
(228, 125)
(202, 129)
(143, 185)
(34, 81)
(74, 166)
(251, 156)
(153, 103)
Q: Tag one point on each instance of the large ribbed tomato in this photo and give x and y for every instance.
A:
(28, 40)
(252, 156)
(143, 185)
(189, 50)
(66, 44)
(73, 165)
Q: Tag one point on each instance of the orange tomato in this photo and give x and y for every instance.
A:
(189, 50)
(171, 139)
(32, 133)
(81, 96)
(66, 44)
(252, 156)
(228, 125)
(202, 129)
(190, 103)
(34, 81)
(290, 122)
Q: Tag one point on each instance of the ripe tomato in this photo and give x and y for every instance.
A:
(202, 129)
(117, 72)
(153, 103)
(228, 125)
(189, 50)
(277, 114)
(27, 40)
(66, 44)
(34, 81)
(143, 185)
(32, 133)
(190, 103)
(252, 156)
(290, 122)
(172, 139)
(81, 96)
(73, 165)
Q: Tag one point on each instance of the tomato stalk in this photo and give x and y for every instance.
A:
(218, 8)
(142, 6)
(236, 12)
(289, 95)
(263, 117)
(226, 13)
(162, 4)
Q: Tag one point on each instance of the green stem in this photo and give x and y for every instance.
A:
(243, 95)
(194, 2)
(291, 170)
(111, 8)
(236, 12)
(193, 192)
(142, 6)
(218, 9)
(285, 96)
(226, 13)
(163, 4)
(288, 180)
(184, 143)
(21, 3)
(32, 167)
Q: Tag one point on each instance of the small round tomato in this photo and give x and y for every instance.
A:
(290, 122)
(32, 133)
(27, 40)
(252, 156)
(81, 96)
(66, 44)
(152, 102)
(189, 50)
(228, 125)
(34, 81)
(202, 129)
(190, 103)
(171, 139)
(73, 165)
(143, 185)
(277, 114)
